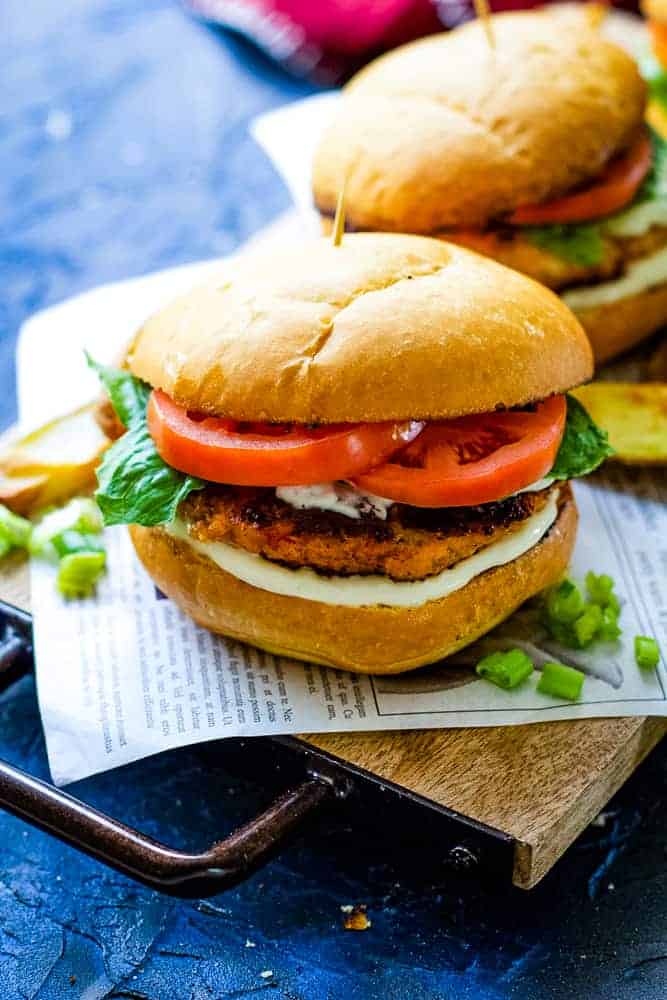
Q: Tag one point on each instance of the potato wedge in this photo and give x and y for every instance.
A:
(53, 463)
(634, 415)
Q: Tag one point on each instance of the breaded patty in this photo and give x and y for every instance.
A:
(510, 246)
(411, 544)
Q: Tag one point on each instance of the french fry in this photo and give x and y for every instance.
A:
(634, 415)
(53, 463)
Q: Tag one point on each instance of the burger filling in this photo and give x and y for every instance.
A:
(399, 512)
(604, 242)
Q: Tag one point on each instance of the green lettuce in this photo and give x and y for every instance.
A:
(584, 445)
(655, 77)
(135, 486)
(583, 243)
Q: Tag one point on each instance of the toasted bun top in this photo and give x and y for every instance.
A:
(447, 132)
(382, 327)
(654, 9)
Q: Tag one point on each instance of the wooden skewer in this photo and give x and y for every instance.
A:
(483, 12)
(339, 221)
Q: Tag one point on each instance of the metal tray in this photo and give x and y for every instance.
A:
(318, 783)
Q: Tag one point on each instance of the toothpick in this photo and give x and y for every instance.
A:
(483, 12)
(339, 221)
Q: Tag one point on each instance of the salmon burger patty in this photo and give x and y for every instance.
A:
(411, 544)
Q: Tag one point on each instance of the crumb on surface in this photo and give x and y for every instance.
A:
(266, 974)
(249, 943)
(355, 918)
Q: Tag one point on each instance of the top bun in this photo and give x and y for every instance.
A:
(447, 132)
(654, 9)
(382, 327)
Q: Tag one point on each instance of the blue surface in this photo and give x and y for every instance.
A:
(158, 170)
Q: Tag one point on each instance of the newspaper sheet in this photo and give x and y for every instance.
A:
(125, 674)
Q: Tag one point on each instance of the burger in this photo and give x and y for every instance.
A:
(533, 152)
(654, 68)
(356, 455)
(656, 14)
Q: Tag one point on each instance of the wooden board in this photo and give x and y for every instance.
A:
(540, 784)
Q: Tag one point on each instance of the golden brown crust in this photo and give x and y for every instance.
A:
(618, 326)
(409, 545)
(445, 132)
(382, 327)
(376, 639)
(656, 10)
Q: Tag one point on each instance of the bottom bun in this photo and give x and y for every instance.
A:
(369, 640)
(617, 326)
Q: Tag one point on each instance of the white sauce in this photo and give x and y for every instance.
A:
(539, 484)
(360, 591)
(637, 221)
(647, 272)
(341, 498)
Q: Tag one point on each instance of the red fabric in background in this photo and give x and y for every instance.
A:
(329, 39)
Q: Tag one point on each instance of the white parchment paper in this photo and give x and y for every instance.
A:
(126, 674)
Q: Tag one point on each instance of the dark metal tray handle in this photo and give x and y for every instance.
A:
(178, 873)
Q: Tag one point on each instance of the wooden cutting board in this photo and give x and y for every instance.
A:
(540, 784)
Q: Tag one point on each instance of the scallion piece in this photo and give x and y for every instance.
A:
(78, 573)
(17, 530)
(6, 544)
(81, 514)
(609, 629)
(561, 681)
(588, 624)
(565, 603)
(600, 587)
(68, 542)
(647, 652)
(507, 670)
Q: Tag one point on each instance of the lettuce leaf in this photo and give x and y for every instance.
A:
(655, 77)
(584, 445)
(583, 243)
(135, 486)
(580, 244)
(654, 185)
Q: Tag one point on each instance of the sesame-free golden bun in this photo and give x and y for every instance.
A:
(617, 326)
(655, 10)
(381, 327)
(373, 639)
(447, 132)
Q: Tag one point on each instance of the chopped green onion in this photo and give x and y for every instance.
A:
(588, 625)
(565, 603)
(15, 529)
(81, 514)
(599, 588)
(561, 681)
(647, 652)
(68, 542)
(6, 544)
(614, 603)
(507, 670)
(79, 572)
(609, 630)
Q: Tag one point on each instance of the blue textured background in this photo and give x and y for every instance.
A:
(124, 149)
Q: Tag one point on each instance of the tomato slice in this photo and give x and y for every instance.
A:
(254, 454)
(615, 187)
(659, 40)
(472, 460)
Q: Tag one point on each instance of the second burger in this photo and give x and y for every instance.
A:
(354, 454)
